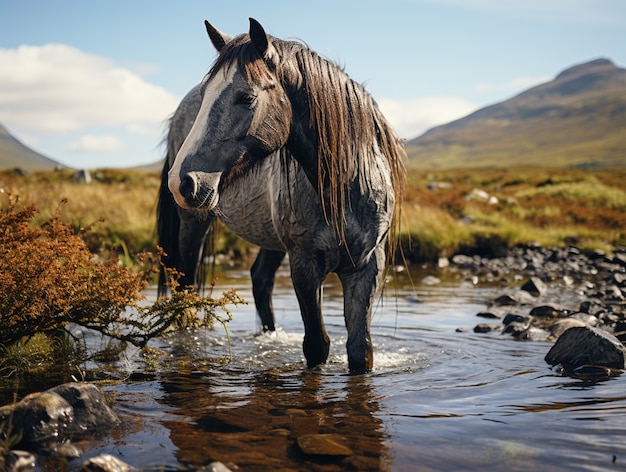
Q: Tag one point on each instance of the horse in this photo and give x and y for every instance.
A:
(294, 156)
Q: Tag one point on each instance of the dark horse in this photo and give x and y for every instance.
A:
(295, 157)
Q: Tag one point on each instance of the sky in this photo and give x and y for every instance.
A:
(91, 84)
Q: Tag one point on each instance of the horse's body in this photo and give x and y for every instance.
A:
(296, 170)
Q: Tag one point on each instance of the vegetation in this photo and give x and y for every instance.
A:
(444, 211)
(488, 211)
(49, 279)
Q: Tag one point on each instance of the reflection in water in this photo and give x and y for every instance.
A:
(253, 420)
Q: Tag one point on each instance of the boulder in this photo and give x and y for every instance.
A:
(585, 345)
(63, 412)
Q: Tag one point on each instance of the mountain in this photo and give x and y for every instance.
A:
(14, 154)
(576, 120)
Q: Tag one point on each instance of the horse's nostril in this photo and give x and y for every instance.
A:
(188, 187)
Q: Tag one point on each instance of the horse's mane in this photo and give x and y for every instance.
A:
(349, 126)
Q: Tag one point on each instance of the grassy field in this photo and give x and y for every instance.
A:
(444, 212)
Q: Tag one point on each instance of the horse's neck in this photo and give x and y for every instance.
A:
(302, 145)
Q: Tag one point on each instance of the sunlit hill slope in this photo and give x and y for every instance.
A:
(576, 120)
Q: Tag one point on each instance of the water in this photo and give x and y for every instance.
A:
(438, 399)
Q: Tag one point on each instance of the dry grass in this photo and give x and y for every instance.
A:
(442, 211)
(445, 211)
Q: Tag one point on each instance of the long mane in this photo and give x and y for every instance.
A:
(349, 127)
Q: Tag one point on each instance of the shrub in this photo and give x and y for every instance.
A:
(49, 279)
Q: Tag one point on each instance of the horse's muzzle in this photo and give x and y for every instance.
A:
(199, 189)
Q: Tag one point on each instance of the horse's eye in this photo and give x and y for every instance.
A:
(246, 99)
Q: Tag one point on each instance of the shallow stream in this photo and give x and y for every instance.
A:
(438, 399)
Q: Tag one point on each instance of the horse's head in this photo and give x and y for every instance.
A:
(245, 116)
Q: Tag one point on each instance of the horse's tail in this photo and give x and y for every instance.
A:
(168, 229)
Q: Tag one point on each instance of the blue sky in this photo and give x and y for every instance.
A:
(91, 84)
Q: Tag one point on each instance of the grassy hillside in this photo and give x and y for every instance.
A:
(576, 120)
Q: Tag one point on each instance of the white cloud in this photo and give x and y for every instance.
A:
(411, 118)
(108, 144)
(58, 88)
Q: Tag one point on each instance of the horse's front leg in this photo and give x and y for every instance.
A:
(193, 233)
(360, 287)
(263, 273)
(307, 279)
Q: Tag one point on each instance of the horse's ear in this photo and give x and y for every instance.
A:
(218, 38)
(258, 37)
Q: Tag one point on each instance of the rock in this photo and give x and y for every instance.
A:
(581, 346)
(62, 412)
(443, 262)
(431, 280)
(518, 298)
(485, 328)
(516, 329)
(548, 311)
(515, 318)
(534, 286)
(323, 445)
(215, 467)
(463, 261)
(19, 461)
(105, 463)
(560, 326)
(505, 300)
(91, 412)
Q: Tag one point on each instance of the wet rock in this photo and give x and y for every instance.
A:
(515, 318)
(431, 280)
(18, 461)
(486, 328)
(215, 467)
(580, 346)
(516, 329)
(105, 463)
(560, 326)
(464, 262)
(548, 311)
(489, 315)
(323, 445)
(63, 412)
(534, 286)
(519, 297)
(505, 300)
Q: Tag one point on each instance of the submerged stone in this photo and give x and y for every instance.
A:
(323, 445)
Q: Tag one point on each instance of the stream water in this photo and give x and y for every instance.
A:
(438, 398)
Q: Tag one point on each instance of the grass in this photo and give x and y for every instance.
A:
(442, 213)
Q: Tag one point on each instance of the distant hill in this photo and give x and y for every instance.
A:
(15, 155)
(576, 120)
